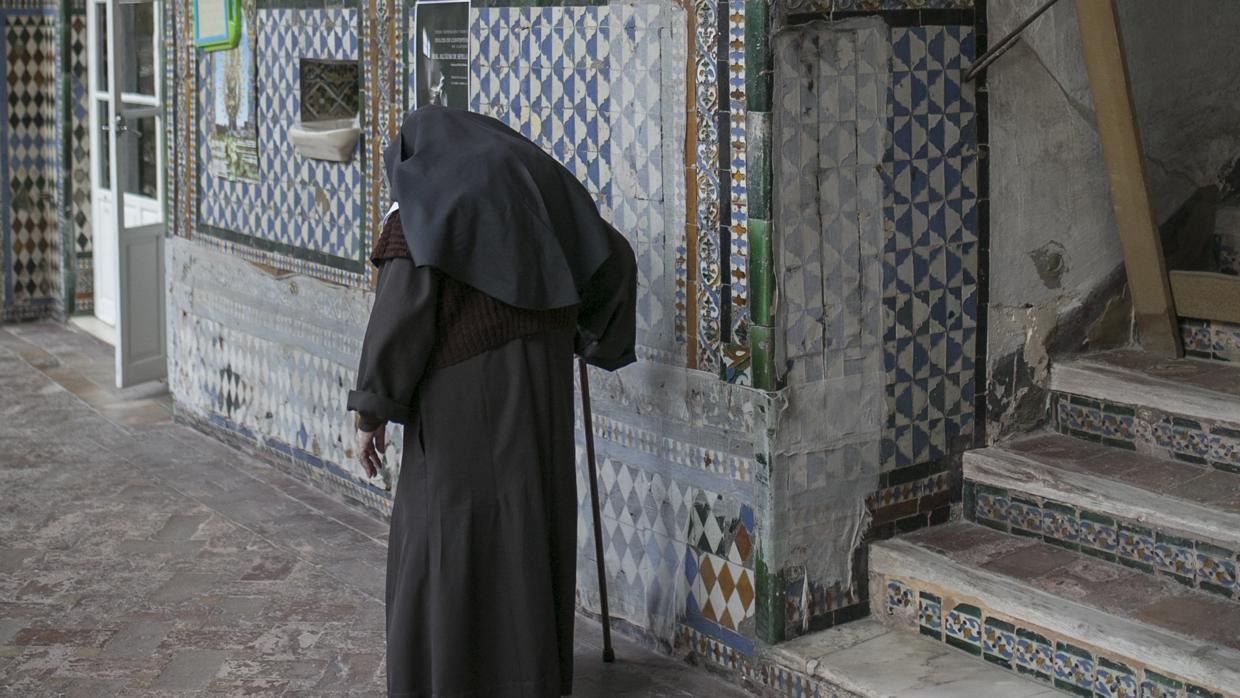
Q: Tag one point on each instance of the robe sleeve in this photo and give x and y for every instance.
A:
(606, 321)
(398, 343)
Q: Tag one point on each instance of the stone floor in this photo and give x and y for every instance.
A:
(139, 557)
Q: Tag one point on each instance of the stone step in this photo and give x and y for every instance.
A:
(1157, 516)
(1184, 409)
(867, 658)
(1080, 624)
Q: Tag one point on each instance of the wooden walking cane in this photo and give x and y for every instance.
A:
(609, 655)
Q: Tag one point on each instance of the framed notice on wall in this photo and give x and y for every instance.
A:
(217, 24)
(440, 46)
(233, 138)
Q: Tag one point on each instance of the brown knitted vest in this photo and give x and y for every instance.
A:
(468, 322)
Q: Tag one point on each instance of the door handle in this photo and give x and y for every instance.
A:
(119, 128)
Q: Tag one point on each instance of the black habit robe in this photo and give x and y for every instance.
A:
(481, 576)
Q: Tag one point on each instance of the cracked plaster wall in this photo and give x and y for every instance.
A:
(1055, 256)
(831, 87)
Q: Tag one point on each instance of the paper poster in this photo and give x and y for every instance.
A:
(440, 44)
(211, 19)
(234, 129)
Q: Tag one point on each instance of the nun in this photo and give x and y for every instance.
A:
(494, 269)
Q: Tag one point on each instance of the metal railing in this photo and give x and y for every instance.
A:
(1005, 43)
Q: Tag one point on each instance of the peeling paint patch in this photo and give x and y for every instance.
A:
(1050, 263)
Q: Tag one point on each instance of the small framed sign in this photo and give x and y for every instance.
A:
(441, 45)
(217, 24)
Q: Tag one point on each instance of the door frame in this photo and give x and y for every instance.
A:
(137, 292)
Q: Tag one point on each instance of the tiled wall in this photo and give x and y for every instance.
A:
(666, 120)
(876, 156)
(930, 253)
(271, 360)
(267, 356)
(79, 162)
(302, 214)
(30, 189)
(1210, 339)
(588, 84)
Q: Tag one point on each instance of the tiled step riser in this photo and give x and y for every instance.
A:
(757, 673)
(965, 623)
(1134, 544)
(1192, 441)
(1211, 339)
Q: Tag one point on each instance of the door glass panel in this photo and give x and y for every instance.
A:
(101, 46)
(139, 146)
(101, 144)
(137, 24)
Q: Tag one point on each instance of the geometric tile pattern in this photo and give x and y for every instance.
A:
(902, 163)
(775, 679)
(719, 233)
(1028, 649)
(673, 549)
(709, 164)
(1210, 339)
(269, 392)
(547, 72)
(1131, 543)
(827, 145)
(586, 84)
(876, 160)
(644, 517)
(31, 160)
(329, 90)
(722, 588)
(930, 252)
(670, 450)
(1196, 441)
(736, 183)
(306, 208)
(79, 164)
(823, 606)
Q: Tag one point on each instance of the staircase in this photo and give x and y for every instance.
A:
(1098, 558)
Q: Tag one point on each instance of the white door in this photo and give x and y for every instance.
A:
(127, 165)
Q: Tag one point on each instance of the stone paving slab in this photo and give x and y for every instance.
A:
(139, 557)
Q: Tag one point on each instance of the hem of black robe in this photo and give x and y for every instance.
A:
(529, 689)
(379, 407)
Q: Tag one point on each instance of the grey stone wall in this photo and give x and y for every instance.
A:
(1055, 257)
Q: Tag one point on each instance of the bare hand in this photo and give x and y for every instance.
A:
(370, 445)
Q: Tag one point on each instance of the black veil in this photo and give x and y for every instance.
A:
(491, 209)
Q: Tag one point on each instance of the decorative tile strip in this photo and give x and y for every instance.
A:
(1196, 441)
(756, 673)
(1208, 339)
(1026, 648)
(672, 450)
(826, 606)
(1194, 563)
(907, 491)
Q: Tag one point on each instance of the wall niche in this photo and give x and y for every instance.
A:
(327, 127)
